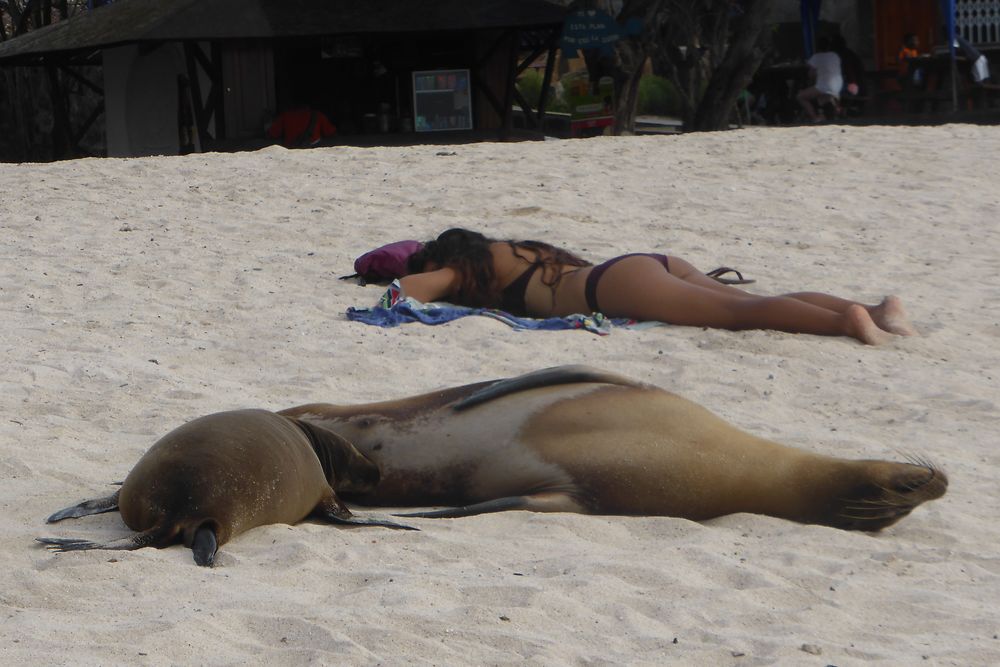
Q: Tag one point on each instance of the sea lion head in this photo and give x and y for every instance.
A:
(886, 493)
(347, 469)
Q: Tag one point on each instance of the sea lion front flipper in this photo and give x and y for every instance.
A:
(86, 508)
(548, 501)
(333, 510)
(546, 377)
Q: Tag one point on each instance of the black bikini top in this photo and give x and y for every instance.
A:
(512, 296)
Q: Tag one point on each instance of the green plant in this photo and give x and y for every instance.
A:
(658, 97)
(529, 85)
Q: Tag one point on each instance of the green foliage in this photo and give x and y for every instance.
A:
(530, 86)
(658, 97)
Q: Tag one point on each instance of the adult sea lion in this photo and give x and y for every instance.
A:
(220, 475)
(576, 439)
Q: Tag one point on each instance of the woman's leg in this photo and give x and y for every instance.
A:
(888, 315)
(639, 287)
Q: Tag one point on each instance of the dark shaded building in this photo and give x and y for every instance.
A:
(208, 74)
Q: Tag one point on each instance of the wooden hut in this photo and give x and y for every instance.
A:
(182, 75)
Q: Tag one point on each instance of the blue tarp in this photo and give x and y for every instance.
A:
(810, 18)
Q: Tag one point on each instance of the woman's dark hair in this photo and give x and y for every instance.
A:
(469, 254)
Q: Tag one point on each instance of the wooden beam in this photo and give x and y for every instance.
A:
(478, 81)
(215, 94)
(507, 118)
(82, 132)
(526, 108)
(82, 79)
(62, 144)
(550, 64)
(493, 48)
(191, 50)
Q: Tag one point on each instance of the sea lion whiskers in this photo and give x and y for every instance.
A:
(878, 504)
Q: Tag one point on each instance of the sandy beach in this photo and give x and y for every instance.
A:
(139, 294)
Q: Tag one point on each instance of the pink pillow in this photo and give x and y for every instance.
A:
(387, 262)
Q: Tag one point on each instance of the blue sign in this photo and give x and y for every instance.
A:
(594, 29)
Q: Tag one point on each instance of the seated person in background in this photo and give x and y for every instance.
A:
(851, 68)
(824, 71)
(535, 279)
(907, 73)
(300, 126)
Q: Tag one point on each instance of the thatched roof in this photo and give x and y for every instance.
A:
(136, 21)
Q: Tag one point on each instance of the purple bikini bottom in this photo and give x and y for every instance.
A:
(590, 289)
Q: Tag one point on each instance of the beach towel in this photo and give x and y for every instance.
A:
(393, 310)
(410, 310)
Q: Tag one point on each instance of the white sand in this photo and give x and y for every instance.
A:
(138, 294)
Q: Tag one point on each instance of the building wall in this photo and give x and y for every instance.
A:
(141, 100)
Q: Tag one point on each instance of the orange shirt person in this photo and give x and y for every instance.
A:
(906, 51)
(301, 127)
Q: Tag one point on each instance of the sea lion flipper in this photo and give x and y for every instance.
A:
(153, 537)
(86, 508)
(546, 377)
(333, 510)
(365, 521)
(538, 502)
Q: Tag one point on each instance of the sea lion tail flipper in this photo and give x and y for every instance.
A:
(156, 536)
(204, 546)
(539, 502)
(86, 508)
(333, 510)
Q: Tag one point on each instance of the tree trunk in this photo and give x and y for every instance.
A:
(743, 56)
(710, 55)
(632, 52)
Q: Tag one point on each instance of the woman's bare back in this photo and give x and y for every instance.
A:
(554, 290)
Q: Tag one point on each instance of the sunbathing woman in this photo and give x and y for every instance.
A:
(535, 279)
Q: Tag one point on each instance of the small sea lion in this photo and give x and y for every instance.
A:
(220, 475)
(576, 439)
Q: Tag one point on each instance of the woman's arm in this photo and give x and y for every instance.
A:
(431, 285)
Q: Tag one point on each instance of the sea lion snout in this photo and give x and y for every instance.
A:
(889, 492)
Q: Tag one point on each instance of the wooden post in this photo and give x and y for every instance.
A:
(506, 117)
(547, 77)
(61, 135)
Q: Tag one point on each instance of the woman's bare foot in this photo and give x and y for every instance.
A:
(891, 316)
(859, 324)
